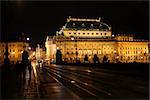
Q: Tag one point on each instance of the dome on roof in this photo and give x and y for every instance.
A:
(87, 25)
(103, 26)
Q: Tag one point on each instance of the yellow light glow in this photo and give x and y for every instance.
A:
(72, 38)
(57, 48)
(29, 48)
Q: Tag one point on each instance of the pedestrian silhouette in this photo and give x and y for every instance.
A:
(25, 61)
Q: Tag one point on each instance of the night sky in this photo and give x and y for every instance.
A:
(39, 19)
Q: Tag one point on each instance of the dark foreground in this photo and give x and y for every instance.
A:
(118, 81)
(89, 82)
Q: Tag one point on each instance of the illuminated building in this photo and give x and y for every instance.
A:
(15, 50)
(80, 37)
(40, 53)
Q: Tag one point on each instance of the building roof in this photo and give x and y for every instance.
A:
(88, 25)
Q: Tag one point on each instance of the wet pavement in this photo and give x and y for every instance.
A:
(64, 82)
(50, 88)
(14, 87)
(91, 83)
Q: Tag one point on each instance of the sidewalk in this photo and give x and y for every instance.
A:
(13, 87)
(30, 89)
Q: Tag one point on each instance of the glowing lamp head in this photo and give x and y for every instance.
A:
(117, 57)
(141, 57)
(72, 38)
(113, 35)
(13, 52)
(28, 39)
(114, 51)
(57, 48)
(138, 52)
(29, 48)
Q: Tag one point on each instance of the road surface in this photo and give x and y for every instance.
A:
(98, 83)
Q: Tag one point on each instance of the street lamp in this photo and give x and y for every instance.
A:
(72, 38)
(117, 57)
(29, 48)
(28, 39)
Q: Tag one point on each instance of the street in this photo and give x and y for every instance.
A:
(80, 82)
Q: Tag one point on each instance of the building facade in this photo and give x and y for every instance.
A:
(80, 37)
(15, 50)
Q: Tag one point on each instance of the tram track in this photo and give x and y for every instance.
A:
(63, 73)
